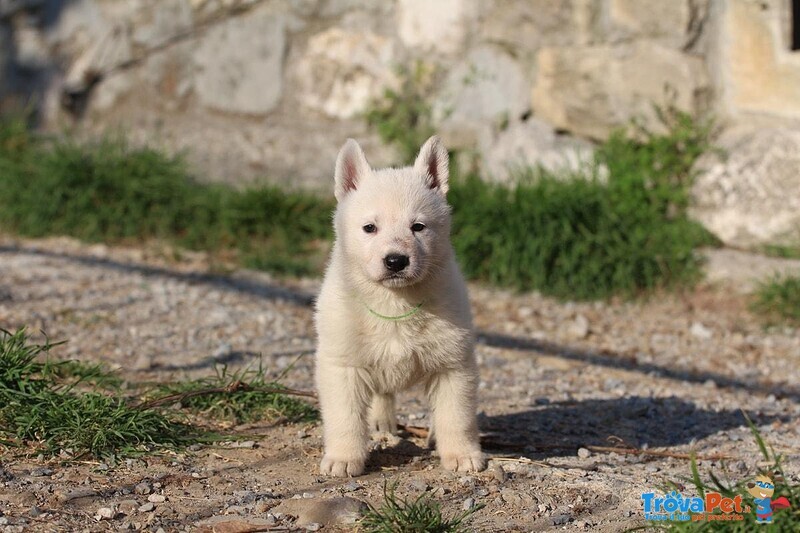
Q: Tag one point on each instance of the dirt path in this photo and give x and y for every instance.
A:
(669, 374)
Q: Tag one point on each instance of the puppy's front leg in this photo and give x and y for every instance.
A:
(453, 397)
(381, 414)
(343, 398)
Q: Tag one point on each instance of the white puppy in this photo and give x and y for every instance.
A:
(393, 312)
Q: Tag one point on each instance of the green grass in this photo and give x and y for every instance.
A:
(778, 299)
(243, 396)
(55, 405)
(39, 404)
(420, 515)
(576, 237)
(784, 520)
(111, 192)
(582, 237)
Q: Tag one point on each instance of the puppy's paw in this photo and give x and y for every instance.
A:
(383, 426)
(464, 462)
(341, 467)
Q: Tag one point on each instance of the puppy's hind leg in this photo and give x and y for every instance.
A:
(381, 414)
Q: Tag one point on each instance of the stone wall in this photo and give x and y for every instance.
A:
(270, 89)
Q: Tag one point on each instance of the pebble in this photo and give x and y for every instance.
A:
(104, 513)
(482, 492)
(243, 444)
(579, 328)
(561, 519)
(143, 488)
(41, 472)
(3, 521)
(313, 526)
(700, 331)
(307, 495)
(418, 484)
(147, 507)
(468, 504)
(583, 453)
(499, 474)
(352, 486)
(156, 498)
(127, 506)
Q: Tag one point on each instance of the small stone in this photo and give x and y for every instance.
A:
(583, 453)
(420, 485)
(143, 488)
(104, 513)
(41, 472)
(147, 507)
(352, 486)
(561, 519)
(482, 492)
(579, 328)
(543, 508)
(3, 521)
(581, 524)
(244, 496)
(499, 474)
(243, 444)
(511, 497)
(468, 504)
(127, 506)
(313, 526)
(307, 495)
(157, 498)
(700, 331)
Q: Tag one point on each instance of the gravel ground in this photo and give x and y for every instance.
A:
(559, 380)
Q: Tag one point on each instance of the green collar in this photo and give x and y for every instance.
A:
(413, 312)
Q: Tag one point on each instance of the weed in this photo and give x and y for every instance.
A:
(783, 520)
(237, 397)
(37, 405)
(421, 515)
(404, 116)
(779, 299)
(109, 191)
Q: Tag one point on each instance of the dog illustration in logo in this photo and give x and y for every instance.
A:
(762, 488)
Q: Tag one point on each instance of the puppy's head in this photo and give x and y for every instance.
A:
(393, 225)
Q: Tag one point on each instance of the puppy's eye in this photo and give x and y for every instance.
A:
(369, 228)
(417, 226)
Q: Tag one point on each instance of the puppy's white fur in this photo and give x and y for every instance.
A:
(363, 359)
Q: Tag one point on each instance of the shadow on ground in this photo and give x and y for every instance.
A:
(559, 429)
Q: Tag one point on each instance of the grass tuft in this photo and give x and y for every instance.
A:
(779, 299)
(238, 397)
(39, 403)
(421, 515)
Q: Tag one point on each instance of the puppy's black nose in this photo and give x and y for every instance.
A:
(395, 262)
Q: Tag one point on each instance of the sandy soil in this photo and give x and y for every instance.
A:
(560, 381)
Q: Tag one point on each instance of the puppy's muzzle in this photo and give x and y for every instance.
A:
(396, 262)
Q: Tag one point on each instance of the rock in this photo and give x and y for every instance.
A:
(591, 90)
(488, 87)
(41, 472)
(534, 144)
(340, 511)
(583, 453)
(147, 507)
(419, 485)
(579, 328)
(700, 331)
(241, 79)
(440, 27)
(468, 504)
(313, 526)
(511, 496)
(342, 72)
(744, 199)
(127, 506)
(352, 486)
(104, 513)
(157, 498)
(76, 494)
(142, 488)
(561, 519)
(499, 474)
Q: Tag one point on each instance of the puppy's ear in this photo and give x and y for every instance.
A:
(351, 167)
(433, 163)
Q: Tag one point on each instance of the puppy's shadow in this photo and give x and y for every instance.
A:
(559, 429)
(402, 453)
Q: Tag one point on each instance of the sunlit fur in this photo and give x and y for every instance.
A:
(363, 360)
